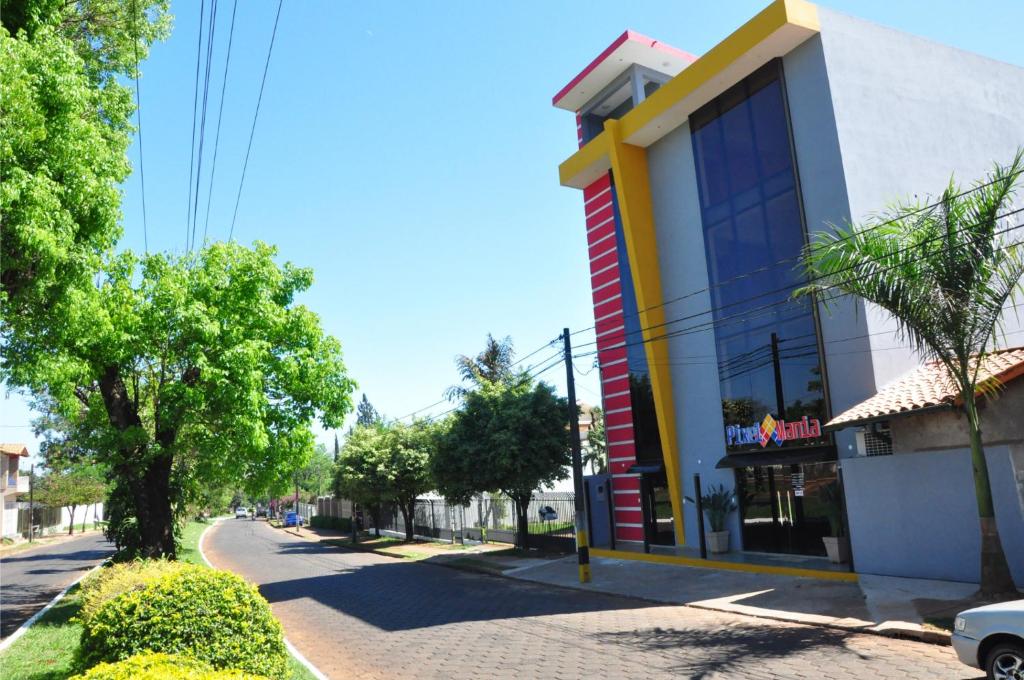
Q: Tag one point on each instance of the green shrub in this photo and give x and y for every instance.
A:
(201, 612)
(107, 583)
(156, 666)
(328, 522)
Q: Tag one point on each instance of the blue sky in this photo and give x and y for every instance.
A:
(408, 153)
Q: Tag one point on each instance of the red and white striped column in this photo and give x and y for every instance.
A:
(605, 281)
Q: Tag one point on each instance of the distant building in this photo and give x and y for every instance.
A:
(11, 484)
(702, 179)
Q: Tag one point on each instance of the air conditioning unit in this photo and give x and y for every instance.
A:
(875, 440)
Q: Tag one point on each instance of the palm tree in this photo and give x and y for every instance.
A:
(945, 273)
(492, 365)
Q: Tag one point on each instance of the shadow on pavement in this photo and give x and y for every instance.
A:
(394, 595)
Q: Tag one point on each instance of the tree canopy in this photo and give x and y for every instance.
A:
(945, 272)
(176, 370)
(66, 123)
(508, 436)
(388, 463)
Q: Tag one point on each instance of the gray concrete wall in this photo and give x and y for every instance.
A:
(823, 187)
(693, 357)
(914, 515)
(1001, 423)
(909, 113)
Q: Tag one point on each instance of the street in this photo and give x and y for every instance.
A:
(30, 579)
(361, 615)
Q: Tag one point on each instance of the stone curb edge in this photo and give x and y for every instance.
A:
(288, 645)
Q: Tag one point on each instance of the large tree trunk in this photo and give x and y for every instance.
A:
(71, 524)
(375, 516)
(996, 578)
(150, 486)
(153, 509)
(522, 523)
(408, 518)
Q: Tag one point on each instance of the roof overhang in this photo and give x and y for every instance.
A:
(628, 49)
(774, 32)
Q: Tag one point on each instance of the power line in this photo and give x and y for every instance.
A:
(255, 117)
(195, 112)
(797, 258)
(138, 113)
(202, 125)
(220, 115)
(792, 286)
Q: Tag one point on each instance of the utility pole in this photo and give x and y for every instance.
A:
(777, 367)
(31, 506)
(582, 540)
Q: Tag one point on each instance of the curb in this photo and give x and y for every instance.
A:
(35, 617)
(288, 645)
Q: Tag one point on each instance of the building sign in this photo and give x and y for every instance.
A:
(771, 430)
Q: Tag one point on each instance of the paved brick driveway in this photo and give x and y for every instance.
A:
(29, 579)
(359, 615)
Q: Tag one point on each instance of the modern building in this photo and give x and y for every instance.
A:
(11, 484)
(703, 177)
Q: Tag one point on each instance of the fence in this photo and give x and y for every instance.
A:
(491, 518)
(52, 520)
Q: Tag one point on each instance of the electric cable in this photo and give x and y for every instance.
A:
(255, 117)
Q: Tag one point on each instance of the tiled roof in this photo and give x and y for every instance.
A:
(927, 386)
(14, 449)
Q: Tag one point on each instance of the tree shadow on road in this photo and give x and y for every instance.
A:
(394, 595)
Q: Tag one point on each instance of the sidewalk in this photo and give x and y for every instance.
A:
(885, 605)
(895, 607)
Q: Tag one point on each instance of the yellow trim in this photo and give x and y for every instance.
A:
(777, 29)
(587, 164)
(632, 189)
(847, 576)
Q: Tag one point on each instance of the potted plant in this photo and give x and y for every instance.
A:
(717, 503)
(837, 546)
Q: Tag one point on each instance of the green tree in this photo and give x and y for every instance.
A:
(70, 488)
(357, 476)
(366, 414)
(388, 462)
(493, 364)
(316, 475)
(66, 130)
(508, 436)
(181, 371)
(945, 273)
(596, 453)
(407, 466)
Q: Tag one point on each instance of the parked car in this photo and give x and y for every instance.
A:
(261, 512)
(241, 513)
(992, 638)
(293, 519)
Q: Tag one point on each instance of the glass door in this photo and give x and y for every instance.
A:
(783, 507)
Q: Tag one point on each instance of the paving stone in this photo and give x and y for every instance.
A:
(361, 616)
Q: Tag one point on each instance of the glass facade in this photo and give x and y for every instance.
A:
(769, 367)
(767, 344)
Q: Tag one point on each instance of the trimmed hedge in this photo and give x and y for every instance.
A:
(328, 522)
(155, 666)
(211, 615)
(106, 584)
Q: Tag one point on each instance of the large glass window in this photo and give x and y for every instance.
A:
(767, 342)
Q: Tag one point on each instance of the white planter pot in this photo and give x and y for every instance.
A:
(718, 541)
(837, 548)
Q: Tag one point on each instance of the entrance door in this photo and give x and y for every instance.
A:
(783, 507)
(657, 509)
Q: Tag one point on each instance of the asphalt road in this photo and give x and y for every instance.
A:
(360, 615)
(31, 578)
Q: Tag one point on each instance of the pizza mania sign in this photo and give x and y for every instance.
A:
(772, 430)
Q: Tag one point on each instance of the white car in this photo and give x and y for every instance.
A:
(992, 638)
(241, 513)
